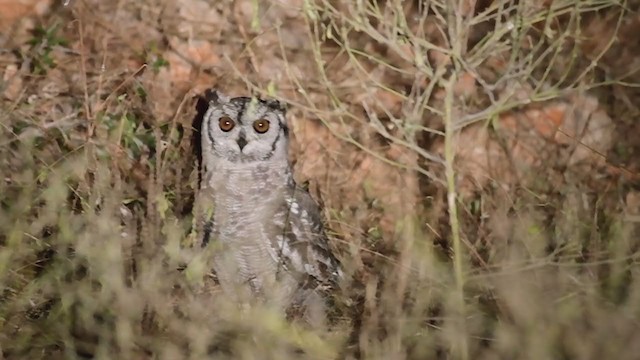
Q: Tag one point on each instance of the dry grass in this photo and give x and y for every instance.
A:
(475, 162)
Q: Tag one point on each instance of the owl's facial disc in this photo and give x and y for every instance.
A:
(246, 130)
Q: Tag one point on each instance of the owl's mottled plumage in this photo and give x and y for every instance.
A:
(267, 232)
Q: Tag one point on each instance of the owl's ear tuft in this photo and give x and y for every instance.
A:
(215, 97)
(277, 105)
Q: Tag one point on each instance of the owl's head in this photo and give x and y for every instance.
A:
(244, 129)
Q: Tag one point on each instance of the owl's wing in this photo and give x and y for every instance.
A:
(303, 246)
(204, 221)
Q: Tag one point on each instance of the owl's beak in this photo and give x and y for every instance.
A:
(242, 142)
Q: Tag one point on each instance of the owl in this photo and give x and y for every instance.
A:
(264, 231)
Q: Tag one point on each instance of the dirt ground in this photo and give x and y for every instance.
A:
(99, 173)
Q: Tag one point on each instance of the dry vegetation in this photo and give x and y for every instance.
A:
(475, 160)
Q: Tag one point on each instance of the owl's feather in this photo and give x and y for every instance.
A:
(303, 245)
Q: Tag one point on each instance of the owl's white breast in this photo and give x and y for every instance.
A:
(246, 197)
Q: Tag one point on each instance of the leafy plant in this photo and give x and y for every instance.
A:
(44, 40)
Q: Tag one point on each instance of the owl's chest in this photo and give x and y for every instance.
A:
(245, 203)
(242, 217)
(246, 192)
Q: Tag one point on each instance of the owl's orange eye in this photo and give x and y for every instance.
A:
(226, 124)
(261, 126)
